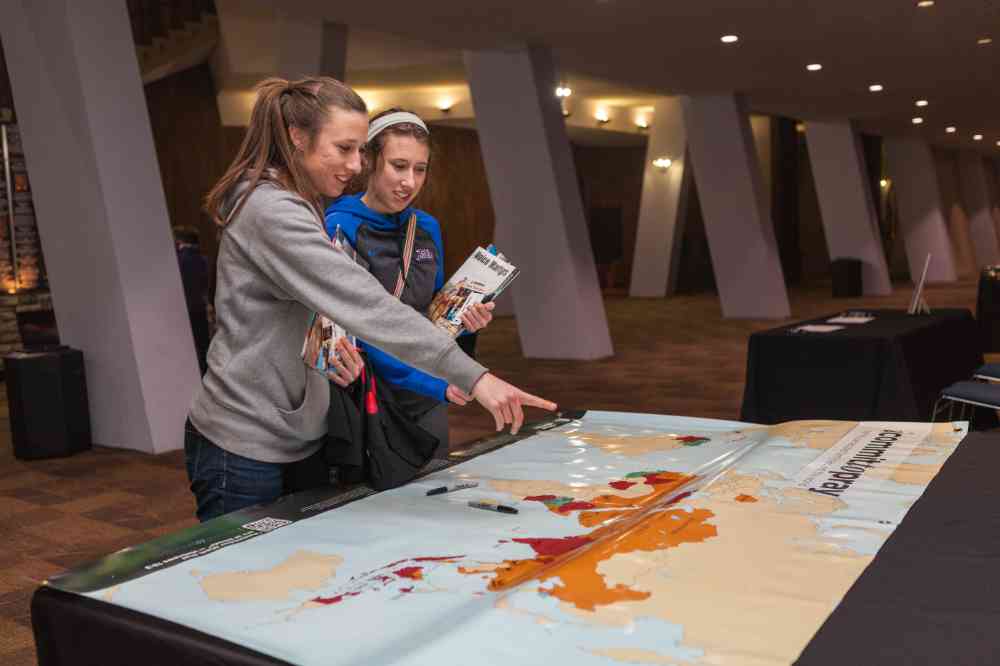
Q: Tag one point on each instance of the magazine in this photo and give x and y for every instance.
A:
(483, 277)
(320, 344)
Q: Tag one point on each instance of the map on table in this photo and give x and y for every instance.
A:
(639, 539)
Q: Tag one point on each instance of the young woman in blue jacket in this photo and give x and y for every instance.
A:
(397, 158)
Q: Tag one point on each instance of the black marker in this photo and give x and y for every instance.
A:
(493, 506)
(455, 486)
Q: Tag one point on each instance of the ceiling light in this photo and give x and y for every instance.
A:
(977, 137)
(875, 87)
(564, 91)
(998, 143)
(642, 122)
(950, 129)
(883, 183)
(602, 116)
(445, 104)
(729, 39)
(917, 120)
(814, 67)
(800, 127)
(982, 41)
(662, 163)
(924, 4)
(921, 102)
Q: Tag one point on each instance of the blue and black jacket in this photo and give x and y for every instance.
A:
(378, 239)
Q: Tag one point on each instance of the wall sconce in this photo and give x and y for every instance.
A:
(602, 117)
(662, 163)
(642, 122)
(444, 104)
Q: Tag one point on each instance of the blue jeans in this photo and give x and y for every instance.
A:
(223, 482)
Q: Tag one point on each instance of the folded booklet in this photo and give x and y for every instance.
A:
(483, 277)
(320, 344)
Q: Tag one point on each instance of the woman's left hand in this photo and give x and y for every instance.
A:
(478, 316)
(346, 364)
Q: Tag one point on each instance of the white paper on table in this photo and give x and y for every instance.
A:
(816, 328)
(850, 319)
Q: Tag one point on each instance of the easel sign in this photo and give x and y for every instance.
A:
(917, 304)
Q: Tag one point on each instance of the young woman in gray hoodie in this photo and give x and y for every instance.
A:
(260, 410)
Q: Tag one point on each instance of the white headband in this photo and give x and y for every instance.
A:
(397, 118)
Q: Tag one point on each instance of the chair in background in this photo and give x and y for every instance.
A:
(969, 394)
(988, 372)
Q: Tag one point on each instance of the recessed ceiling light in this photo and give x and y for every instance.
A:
(924, 4)
(814, 67)
(875, 87)
(950, 129)
(982, 41)
(921, 102)
(917, 120)
(729, 39)
(977, 137)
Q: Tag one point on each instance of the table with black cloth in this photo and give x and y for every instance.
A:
(928, 596)
(988, 308)
(889, 369)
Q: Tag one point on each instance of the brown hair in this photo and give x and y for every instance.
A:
(267, 152)
(373, 149)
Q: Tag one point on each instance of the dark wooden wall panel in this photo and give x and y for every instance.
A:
(457, 193)
(611, 177)
(191, 146)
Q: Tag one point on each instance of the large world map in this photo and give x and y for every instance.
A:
(639, 539)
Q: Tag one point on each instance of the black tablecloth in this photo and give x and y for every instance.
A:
(890, 369)
(928, 597)
(988, 309)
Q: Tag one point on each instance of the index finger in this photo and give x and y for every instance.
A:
(535, 401)
(518, 413)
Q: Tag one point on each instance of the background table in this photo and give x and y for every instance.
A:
(890, 369)
(988, 308)
(926, 598)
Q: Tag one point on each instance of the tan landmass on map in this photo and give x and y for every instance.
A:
(908, 473)
(303, 570)
(764, 557)
(813, 434)
(634, 656)
(584, 491)
(628, 444)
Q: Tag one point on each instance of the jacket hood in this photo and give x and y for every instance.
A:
(352, 204)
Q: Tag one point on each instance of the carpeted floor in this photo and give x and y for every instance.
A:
(674, 356)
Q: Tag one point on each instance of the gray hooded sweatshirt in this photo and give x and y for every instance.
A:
(276, 266)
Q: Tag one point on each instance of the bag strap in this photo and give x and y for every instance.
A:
(411, 234)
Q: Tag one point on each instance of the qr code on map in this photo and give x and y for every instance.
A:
(266, 524)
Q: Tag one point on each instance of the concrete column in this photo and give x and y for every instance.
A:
(976, 198)
(663, 205)
(258, 39)
(102, 216)
(737, 220)
(540, 222)
(918, 198)
(850, 223)
(946, 166)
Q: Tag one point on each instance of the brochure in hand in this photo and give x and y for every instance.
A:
(320, 344)
(483, 277)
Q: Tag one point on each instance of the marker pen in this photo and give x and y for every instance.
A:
(452, 487)
(492, 506)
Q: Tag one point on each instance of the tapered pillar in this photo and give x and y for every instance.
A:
(738, 224)
(663, 206)
(540, 223)
(978, 206)
(921, 218)
(850, 223)
(956, 219)
(102, 216)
